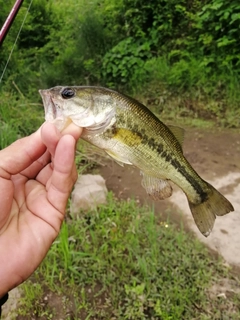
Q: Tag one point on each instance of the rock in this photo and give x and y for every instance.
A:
(89, 191)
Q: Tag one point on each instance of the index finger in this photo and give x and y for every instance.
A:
(21, 154)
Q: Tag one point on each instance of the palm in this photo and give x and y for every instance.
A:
(35, 192)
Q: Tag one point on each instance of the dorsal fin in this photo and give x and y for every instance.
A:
(178, 133)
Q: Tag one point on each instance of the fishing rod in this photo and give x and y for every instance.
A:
(12, 15)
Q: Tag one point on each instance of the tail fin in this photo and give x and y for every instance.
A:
(204, 214)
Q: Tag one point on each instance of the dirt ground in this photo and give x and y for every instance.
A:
(215, 155)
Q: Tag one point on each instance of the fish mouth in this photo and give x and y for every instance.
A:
(53, 114)
(49, 107)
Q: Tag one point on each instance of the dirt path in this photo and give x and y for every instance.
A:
(216, 157)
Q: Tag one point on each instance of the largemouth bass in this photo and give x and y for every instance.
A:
(131, 134)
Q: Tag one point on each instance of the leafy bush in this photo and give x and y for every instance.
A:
(217, 27)
(114, 42)
(122, 62)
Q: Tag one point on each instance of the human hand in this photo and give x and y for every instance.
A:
(37, 174)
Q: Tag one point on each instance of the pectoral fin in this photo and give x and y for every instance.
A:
(156, 188)
(118, 158)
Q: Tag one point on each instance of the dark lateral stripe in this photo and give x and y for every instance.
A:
(176, 164)
(203, 195)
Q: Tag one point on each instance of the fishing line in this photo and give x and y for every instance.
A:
(11, 52)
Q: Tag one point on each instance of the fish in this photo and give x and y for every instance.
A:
(131, 134)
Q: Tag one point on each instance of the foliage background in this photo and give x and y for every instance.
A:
(179, 57)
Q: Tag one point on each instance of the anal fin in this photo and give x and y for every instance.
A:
(156, 188)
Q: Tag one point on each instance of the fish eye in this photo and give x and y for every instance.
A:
(68, 93)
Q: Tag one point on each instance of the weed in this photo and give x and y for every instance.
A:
(18, 118)
(8, 134)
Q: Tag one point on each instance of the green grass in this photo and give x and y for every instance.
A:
(120, 262)
(189, 89)
(18, 117)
